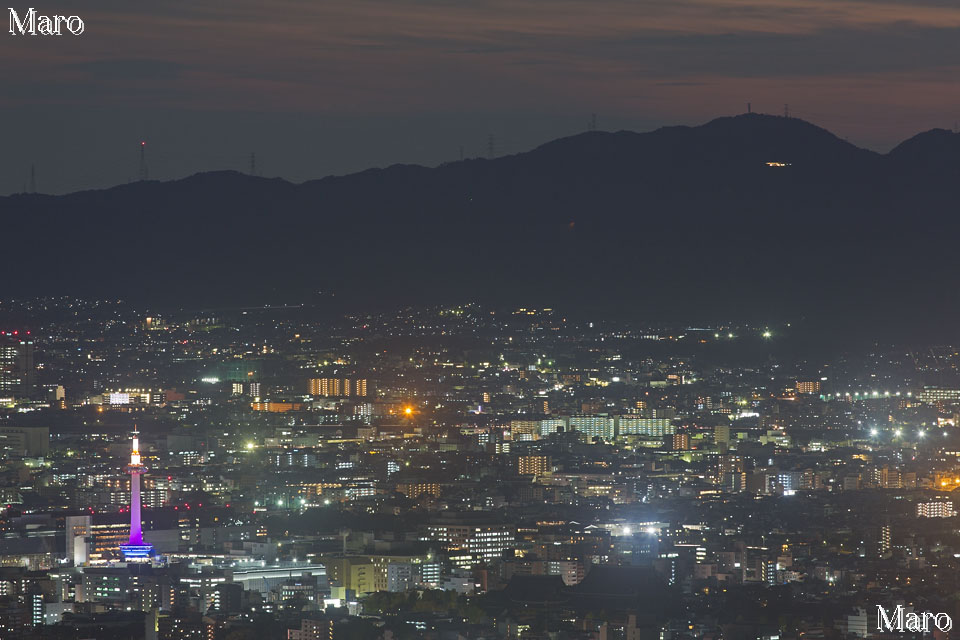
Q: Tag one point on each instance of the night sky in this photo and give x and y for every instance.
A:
(335, 86)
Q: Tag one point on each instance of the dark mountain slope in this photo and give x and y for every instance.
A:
(931, 150)
(682, 220)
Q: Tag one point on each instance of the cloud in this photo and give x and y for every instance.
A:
(348, 55)
(130, 69)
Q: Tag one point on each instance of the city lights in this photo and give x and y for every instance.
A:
(429, 320)
(540, 470)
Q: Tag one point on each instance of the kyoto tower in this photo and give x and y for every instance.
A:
(136, 550)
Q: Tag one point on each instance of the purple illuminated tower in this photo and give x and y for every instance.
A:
(136, 550)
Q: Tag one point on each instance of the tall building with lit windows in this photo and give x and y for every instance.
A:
(731, 472)
(533, 465)
(338, 387)
(593, 426)
(884, 542)
(680, 442)
(17, 368)
(524, 429)
(936, 509)
(935, 395)
(472, 541)
(808, 386)
(369, 573)
(639, 425)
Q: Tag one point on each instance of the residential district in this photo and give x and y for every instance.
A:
(466, 472)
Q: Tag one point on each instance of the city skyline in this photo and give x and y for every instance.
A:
(480, 320)
(433, 469)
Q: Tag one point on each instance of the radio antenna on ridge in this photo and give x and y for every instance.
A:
(144, 173)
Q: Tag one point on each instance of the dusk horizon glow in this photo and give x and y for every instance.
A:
(321, 89)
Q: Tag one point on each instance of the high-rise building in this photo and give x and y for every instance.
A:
(366, 573)
(721, 434)
(228, 597)
(533, 465)
(884, 542)
(78, 532)
(731, 474)
(25, 441)
(56, 395)
(402, 576)
(17, 369)
(524, 429)
(935, 395)
(472, 542)
(34, 598)
(936, 509)
(808, 386)
(314, 627)
(552, 425)
(136, 550)
(415, 489)
(338, 387)
(593, 426)
(641, 425)
(14, 618)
